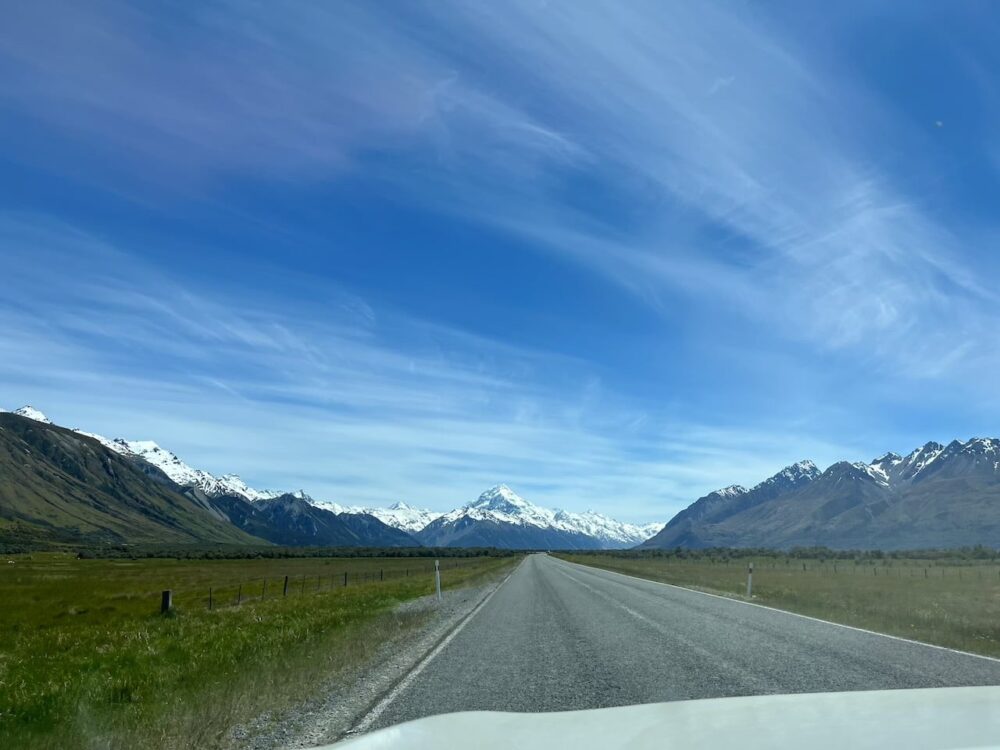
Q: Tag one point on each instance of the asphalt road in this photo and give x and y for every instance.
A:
(558, 636)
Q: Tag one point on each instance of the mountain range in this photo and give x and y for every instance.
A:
(64, 485)
(237, 513)
(936, 496)
(502, 518)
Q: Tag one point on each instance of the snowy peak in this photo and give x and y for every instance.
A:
(402, 516)
(500, 504)
(733, 490)
(794, 475)
(502, 499)
(32, 413)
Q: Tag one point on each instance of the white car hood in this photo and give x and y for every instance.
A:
(929, 719)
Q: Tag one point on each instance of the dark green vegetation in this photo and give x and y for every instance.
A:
(87, 661)
(937, 496)
(949, 601)
(230, 552)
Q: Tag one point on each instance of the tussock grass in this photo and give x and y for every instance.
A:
(947, 603)
(86, 660)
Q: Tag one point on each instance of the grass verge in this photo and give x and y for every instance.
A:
(86, 660)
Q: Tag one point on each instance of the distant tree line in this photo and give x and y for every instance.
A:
(134, 552)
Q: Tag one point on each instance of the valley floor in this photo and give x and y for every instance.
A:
(86, 660)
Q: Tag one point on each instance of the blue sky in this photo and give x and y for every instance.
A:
(615, 255)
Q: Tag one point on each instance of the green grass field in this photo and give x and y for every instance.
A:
(948, 603)
(86, 660)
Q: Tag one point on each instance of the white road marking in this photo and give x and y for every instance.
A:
(372, 716)
(784, 612)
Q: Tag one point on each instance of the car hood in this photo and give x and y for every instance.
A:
(929, 719)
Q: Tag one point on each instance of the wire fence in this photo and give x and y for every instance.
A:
(233, 594)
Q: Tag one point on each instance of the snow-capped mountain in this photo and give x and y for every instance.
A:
(32, 413)
(935, 496)
(402, 516)
(613, 533)
(399, 515)
(187, 476)
(502, 518)
(167, 462)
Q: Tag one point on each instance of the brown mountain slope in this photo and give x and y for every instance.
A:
(59, 486)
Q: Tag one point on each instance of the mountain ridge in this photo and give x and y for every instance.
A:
(935, 496)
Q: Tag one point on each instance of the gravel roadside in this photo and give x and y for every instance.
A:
(417, 626)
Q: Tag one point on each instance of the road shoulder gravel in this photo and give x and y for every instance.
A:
(418, 627)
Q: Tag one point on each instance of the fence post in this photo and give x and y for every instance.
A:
(381, 577)
(345, 577)
(239, 594)
(285, 590)
(750, 580)
(437, 578)
(210, 597)
(263, 591)
(166, 601)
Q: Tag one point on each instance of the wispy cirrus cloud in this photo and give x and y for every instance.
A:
(765, 191)
(347, 407)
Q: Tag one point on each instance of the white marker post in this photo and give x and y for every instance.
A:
(437, 577)
(750, 581)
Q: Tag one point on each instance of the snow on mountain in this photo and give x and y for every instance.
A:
(335, 507)
(166, 461)
(118, 445)
(874, 471)
(231, 484)
(32, 413)
(398, 515)
(169, 463)
(733, 490)
(502, 505)
(402, 516)
(607, 529)
(794, 474)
